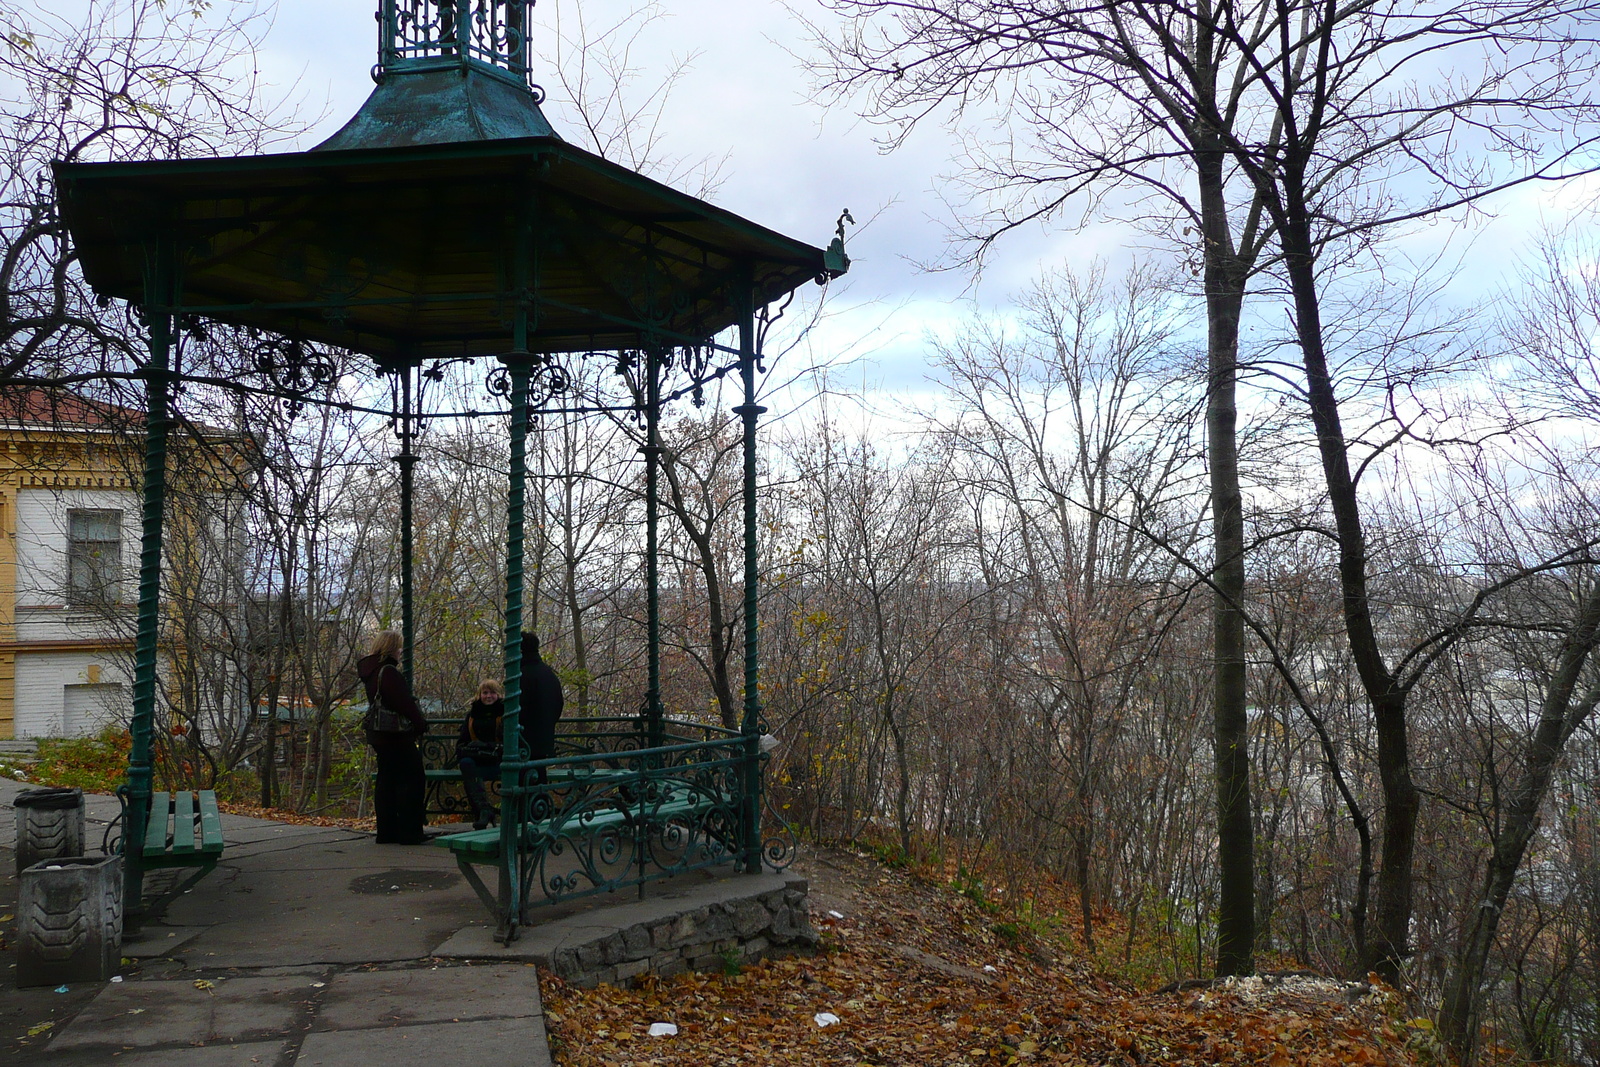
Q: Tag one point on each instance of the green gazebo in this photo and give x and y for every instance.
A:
(448, 220)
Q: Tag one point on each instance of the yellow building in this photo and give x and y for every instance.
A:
(69, 550)
(68, 539)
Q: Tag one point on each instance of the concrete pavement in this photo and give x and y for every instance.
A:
(306, 946)
(311, 945)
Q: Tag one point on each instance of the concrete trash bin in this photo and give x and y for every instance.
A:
(50, 824)
(69, 920)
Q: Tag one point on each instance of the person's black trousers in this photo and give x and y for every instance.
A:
(397, 797)
(474, 772)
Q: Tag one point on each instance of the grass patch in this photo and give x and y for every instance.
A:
(969, 884)
(95, 764)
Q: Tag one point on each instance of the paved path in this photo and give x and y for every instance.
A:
(306, 946)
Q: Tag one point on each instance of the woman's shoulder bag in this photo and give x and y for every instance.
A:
(380, 719)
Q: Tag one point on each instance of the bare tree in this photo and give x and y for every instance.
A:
(1321, 110)
(132, 80)
(1534, 524)
(1125, 104)
(1075, 440)
(1339, 90)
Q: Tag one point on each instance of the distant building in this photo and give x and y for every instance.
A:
(68, 536)
(69, 554)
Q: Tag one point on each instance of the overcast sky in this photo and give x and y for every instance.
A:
(791, 165)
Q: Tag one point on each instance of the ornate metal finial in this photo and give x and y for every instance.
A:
(834, 261)
(422, 35)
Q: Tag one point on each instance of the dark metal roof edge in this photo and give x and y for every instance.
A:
(69, 173)
(308, 160)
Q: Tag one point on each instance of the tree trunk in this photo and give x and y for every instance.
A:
(1224, 284)
(719, 645)
(1558, 718)
(325, 735)
(1389, 946)
(569, 591)
(269, 746)
(716, 626)
(1083, 844)
(902, 763)
(580, 647)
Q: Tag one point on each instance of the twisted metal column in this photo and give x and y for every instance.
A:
(652, 531)
(158, 311)
(751, 726)
(407, 460)
(511, 892)
(519, 362)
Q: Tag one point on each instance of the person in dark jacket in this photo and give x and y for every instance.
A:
(542, 701)
(397, 796)
(478, 748)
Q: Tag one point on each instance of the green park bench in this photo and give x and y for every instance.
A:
(185, 830)
(563, 828)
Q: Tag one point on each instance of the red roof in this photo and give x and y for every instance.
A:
(41, 406)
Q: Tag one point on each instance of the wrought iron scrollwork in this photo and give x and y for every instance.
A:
(493, 32)
(436, 370)
(499, 383)
(445, 796)
(287, 367)
(696, 361)
(766, 319)
(618, 818)
(780, 843)
(547, 379)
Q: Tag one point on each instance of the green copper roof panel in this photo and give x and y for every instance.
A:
(409, 252)
(441, 107)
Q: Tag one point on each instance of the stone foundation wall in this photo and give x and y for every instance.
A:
(706, 938)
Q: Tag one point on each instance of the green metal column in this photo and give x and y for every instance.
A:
(407, 460)
(652, 530)
(511, 891)
(519, 363)
(158, 315)
(751, 725)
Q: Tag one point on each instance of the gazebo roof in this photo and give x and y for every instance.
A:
(409, 252)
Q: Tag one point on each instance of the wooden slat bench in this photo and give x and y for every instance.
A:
(482, 847)
(185, 830)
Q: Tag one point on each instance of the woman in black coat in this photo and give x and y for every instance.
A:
(397, 796)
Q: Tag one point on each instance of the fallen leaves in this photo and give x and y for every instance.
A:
(255, 811)
(902, 980)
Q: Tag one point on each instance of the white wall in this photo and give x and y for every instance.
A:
(42, 613)
(68, 694)
(87, 708)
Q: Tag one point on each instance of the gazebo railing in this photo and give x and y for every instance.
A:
(610, 820)
(610, 812)
(596, 736)
(440, 34)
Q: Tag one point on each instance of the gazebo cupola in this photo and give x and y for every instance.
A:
(448, 72)
(447, 221)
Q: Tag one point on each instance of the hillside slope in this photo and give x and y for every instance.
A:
(919, 974)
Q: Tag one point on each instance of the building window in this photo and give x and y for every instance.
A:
(94, 555)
